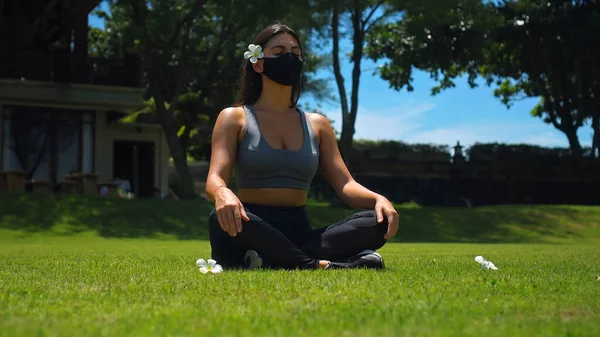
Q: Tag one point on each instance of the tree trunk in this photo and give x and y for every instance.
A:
(576, 150)
(156, 80)
(567, 126)
(596, 136)
(185, 183)
(345, 138)
(184, 140)
(346, 141)
(349, 121)
(348, 112)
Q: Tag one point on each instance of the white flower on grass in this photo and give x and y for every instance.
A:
(485, 264)
(254, 53)
(209, 267)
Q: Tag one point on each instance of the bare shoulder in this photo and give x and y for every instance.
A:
(318, 121)
(233, 115)
(320, 124)
(230, 121)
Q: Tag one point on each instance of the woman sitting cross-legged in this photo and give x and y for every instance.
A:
(276, 149)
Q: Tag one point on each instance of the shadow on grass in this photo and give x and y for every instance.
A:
(71, 214)
(151, 218)
(493, 224)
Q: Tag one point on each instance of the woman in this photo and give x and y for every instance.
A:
(276, 149)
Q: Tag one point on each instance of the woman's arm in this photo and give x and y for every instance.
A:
(224, 149)
(229, 209)
(349, 190)
(335, 171)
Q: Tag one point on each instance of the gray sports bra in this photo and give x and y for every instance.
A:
(258, 165)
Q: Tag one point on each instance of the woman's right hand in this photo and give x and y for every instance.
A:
(230, 211)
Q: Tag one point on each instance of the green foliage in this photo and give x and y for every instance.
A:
(444, 38)
(528, 48)
(147, 114)
(218, 40)
(392, 146)
(518, 152)
(515, 153)
(120, 33)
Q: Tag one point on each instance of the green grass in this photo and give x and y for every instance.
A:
(74, 286)
(96, 267)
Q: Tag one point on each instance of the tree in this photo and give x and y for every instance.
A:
(359, 17)
(528, 48)
(186, 116)
(550, 41)
(221, 52)
(164, 32)
(197, 59)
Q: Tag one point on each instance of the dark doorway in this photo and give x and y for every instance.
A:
(134, 161)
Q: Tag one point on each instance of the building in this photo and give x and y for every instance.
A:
(60, 108)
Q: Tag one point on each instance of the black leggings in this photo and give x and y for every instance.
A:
(284, 238)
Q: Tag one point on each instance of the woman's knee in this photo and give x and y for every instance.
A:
(213, 220)
(367, 219)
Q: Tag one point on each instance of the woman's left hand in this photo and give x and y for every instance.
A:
(384, 208)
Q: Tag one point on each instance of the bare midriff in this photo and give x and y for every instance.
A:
(283, 197)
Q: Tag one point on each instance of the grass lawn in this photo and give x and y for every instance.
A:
(95, 267)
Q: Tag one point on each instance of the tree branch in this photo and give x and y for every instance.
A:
(366, 20)
(224, 38)
(385, 14)
(182, 66)
(187, 19)
(357, 54)
(140, 17)
(43, 16)
(183, 29)
(356, 11)
(550, 108)
(335, 21)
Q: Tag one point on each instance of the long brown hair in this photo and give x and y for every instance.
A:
(251, 82)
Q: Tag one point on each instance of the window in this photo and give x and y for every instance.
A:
(9, 156)
(88, 143)
(48, 144)
(26, 144)
(67, 147)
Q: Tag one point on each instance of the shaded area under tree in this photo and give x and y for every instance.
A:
(120, 218)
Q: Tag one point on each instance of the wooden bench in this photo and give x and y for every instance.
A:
(68, 187)
(108, 189)
(39, 186)
(12, 181)
(86, 183)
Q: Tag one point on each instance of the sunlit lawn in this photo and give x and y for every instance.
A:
(57, 281)
(138, 287)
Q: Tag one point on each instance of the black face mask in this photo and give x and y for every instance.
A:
(284, 69)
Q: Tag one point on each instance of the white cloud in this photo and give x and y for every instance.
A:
(547, 139)
(384, 124)
(407, 123)
(515, 133)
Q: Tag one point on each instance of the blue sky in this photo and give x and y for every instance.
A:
(458, 114)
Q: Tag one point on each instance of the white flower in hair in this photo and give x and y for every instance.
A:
(254, 53)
